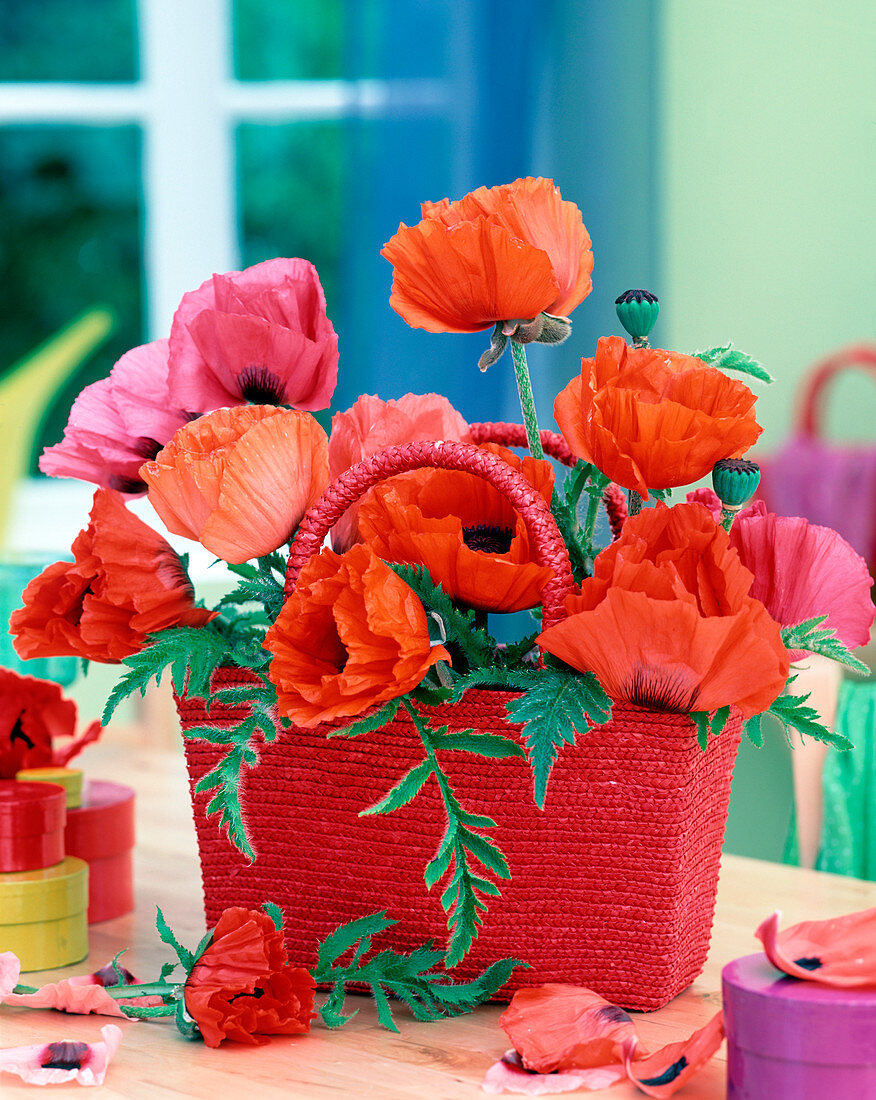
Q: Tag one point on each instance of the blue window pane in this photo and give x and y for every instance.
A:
(70, 208)
(381, 39)
(69, 40)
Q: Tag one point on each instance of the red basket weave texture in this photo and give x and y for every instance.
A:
(613, 883)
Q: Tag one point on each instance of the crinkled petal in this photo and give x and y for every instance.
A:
(839, 952)
(29, 1062)
(665, 1071)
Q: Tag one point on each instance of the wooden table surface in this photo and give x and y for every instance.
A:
(445, 1060)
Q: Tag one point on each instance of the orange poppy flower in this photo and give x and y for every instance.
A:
(124, 583)
(463, 531)
(498, 254)
(239, 480)
(352, 635)
(666, 621)
(649, 418)
(370, 425)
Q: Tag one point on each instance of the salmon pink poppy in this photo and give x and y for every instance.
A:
(666, 621)
(259, 335)
(498, 254)
(370, 425)
(839, 952)
(124, 583)
(567, 1037)
(67, 1060)
(117, 423)
(33, 713)
(242, 987)
(351, 636)
(463, 531)
(239, 480)
(80, 995)
(649, 418)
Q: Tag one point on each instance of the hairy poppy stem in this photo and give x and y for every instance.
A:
(527, 401)
(634, 503)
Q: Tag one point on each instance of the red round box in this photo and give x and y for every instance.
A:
(101, 831)
(31, 825)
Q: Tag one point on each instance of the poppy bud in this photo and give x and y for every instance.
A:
(637, 311)
(735, 481)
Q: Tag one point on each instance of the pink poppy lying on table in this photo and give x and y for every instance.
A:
(840, 952)
(67, 1060)
(567, 1037)
(82, 994)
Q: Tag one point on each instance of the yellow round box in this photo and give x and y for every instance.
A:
(69, 778)
(43, 914)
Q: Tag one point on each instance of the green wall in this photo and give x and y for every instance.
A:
(766, 177)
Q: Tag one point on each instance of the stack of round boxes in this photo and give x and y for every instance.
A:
(47, 833)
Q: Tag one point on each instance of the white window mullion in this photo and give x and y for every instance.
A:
(188, 171)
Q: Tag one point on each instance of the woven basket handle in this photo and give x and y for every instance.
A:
(514, 435)
(550, 550)
(809, 420)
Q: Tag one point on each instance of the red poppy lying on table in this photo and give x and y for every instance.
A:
(675, 616)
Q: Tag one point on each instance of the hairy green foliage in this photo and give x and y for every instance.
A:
(261, 584)
(729, 358)
(709, 724)
(806, 635)
(410, 977)
(793, 713)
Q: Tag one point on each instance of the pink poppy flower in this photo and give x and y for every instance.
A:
(840, 952)
(370, 425)
(67, 1060)
(118, 423)
(259, 335)
(801, 570)
(82, 994)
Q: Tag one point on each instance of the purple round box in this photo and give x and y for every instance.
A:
(796, 1040)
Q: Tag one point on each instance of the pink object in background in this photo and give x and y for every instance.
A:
(828, 483)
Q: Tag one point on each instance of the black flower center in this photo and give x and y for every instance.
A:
(488, 538)
(108, 976)
(811, 962)
(260, 386)
(614, 1015)
(659, 689)
(18, 734)
(255, 993)
(668, 1074)
(127, 484)
(64, 1055)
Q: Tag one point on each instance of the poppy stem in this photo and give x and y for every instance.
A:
(527, 401)
(634, 503)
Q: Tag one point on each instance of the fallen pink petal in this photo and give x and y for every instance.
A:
(79, 995)
(64, 1060)
(660, 1074)
(840, 952)
(510, 1075)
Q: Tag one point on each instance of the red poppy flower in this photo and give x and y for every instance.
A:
(67, 1060)
(242, 988)
(463, 531)
(352, 635)
(498, 254)
(840, 952)
(371, 425)
(239, 480)
(32, 713)
(666, 621)
(649, 418)
(124, 583)
(259, 335)
(117, 423)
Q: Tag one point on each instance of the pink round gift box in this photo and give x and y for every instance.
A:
(789, 1039)
(101, 831)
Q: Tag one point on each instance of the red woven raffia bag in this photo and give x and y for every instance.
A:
(613, 882)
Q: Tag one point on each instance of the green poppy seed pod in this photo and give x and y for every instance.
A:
(735, 481)
(637, 311)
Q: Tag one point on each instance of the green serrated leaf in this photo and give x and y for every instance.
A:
(491, 745)
(809, 637)
(700, 719)
(753, 731)
(485, 851)
(275, 913)
(437, 867)
(551, 710)
(337, 943)
(166, 935)
(381, 717)
(792, 712)
(719, 720)
(408, 787)
(331, 1011)
(729, 358)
